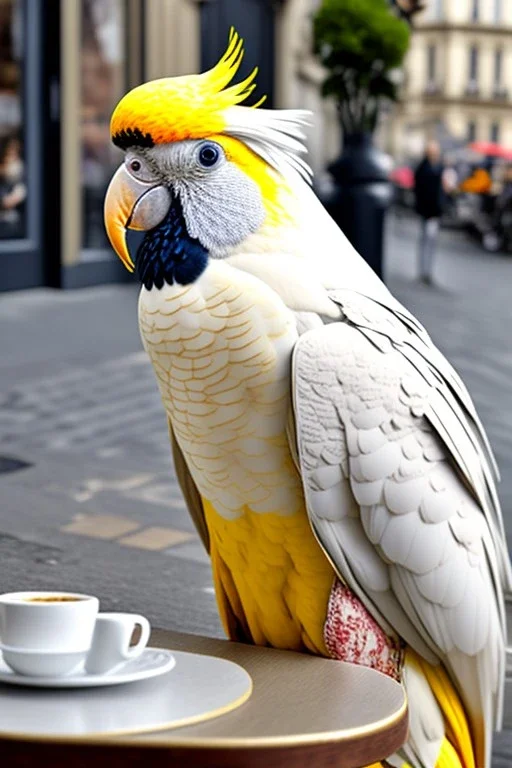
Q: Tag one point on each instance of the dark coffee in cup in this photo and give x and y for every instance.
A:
(53, 599)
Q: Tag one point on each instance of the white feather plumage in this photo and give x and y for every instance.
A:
(274, 135)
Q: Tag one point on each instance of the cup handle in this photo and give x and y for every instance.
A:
(111, 641)
(135, 650)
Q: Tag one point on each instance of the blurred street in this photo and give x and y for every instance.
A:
(89, 499)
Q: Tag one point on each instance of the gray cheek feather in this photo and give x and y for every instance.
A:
(221, 208)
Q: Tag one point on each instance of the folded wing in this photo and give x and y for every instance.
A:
(399, 485)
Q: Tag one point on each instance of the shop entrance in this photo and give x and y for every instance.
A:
(21, 253)
(63, 66)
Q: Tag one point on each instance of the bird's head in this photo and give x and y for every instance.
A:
(201, 173)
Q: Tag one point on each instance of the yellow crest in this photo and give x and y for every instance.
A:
(187, 107)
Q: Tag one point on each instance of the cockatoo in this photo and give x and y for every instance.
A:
(330, 456)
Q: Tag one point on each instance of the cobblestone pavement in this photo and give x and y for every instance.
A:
(95, 408)
(94, 500)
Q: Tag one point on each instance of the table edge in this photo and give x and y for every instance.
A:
(131, 738)
(348, 754)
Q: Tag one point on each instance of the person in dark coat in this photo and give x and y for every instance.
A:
(12, 187)
(428, 185)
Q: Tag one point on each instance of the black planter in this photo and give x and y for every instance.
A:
(361, 196)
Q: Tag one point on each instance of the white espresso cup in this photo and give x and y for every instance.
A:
(53, 633)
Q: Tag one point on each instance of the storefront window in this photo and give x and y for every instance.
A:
(13, 191)
(102, 85)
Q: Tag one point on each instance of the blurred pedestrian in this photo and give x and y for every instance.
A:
(505, 195)
(450, 181)
(12, 186)
(429, 192)
(450, 177)
(10, 99)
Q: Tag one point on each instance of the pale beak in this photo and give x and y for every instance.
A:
(132, 204)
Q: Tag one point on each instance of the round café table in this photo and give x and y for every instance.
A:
(304, 711)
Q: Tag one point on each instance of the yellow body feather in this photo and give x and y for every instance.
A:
(274, 576)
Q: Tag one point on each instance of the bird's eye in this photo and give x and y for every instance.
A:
(135, 165)
(209, 155)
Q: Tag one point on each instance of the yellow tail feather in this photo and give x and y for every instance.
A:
(458, 735)
(456, 749)
(448, 757)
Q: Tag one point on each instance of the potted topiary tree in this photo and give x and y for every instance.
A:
(361, 44)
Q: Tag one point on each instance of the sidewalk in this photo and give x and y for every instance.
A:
(95, 500)
(98, 504)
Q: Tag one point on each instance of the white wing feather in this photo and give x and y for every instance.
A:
(401, 494)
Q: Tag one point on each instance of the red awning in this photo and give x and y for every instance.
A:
(490, 149)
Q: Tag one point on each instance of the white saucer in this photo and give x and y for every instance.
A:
(151, 663)
(198, 688)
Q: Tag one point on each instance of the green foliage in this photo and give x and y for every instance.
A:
(360, 43)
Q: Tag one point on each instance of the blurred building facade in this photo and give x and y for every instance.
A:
(458, 76)
(56, 158)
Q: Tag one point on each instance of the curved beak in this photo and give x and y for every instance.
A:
(132, 204)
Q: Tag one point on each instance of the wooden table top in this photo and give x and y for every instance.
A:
(304, 711)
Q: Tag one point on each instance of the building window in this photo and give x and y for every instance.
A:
(103, 83)
(473, 70)
(471, 130)
(473, 64)
(431, 65)
(475, 10)
(495, 133)
(12, 160)
(498, 9)
(498, 67)
(499, 91)
(434, 10)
